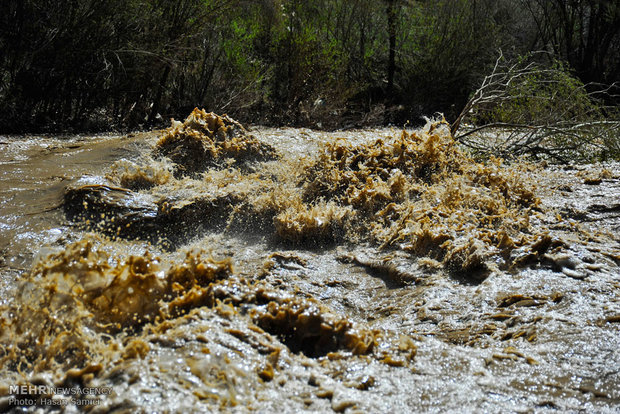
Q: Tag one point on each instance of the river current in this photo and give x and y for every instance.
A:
(208, 268)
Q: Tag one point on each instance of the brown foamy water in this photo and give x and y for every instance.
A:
(211, 268)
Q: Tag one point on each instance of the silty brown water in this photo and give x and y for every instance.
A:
(299, 270)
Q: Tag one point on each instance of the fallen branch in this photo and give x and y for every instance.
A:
(539, 111)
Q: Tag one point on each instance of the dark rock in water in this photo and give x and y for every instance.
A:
(124, 213)
(207, 140)
(113, 210)
(202, 141)
(173, 220)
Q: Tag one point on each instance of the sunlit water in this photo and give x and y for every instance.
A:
(540, 337)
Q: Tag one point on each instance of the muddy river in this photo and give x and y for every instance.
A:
(209, 268)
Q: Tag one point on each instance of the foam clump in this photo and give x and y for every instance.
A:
(420, 193)
(133, 176)
(369, 177)
(307, 326)
(206, 140)
(72, 297)
(315, 224)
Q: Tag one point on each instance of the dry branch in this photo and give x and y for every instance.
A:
(538, 111)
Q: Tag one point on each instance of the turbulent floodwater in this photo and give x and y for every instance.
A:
(296, 270)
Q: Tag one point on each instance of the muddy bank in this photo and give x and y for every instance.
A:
(327, 272)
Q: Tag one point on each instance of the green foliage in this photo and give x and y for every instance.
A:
(447, 51)
(104, 63)
(543, 96)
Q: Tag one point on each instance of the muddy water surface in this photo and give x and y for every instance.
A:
(260, 287)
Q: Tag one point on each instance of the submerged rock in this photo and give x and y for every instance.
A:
(120, 212)
(111, 209)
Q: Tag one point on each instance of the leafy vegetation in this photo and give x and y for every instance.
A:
(86, 64)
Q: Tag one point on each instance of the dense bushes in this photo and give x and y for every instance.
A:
(97, 64)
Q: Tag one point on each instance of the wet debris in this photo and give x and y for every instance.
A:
(520, 300)
(595, 177)
(287, 261)
(609, 320)
(307, 327)
(513, 354)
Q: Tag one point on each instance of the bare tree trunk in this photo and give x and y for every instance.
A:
(160, 90)
(391, 68)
